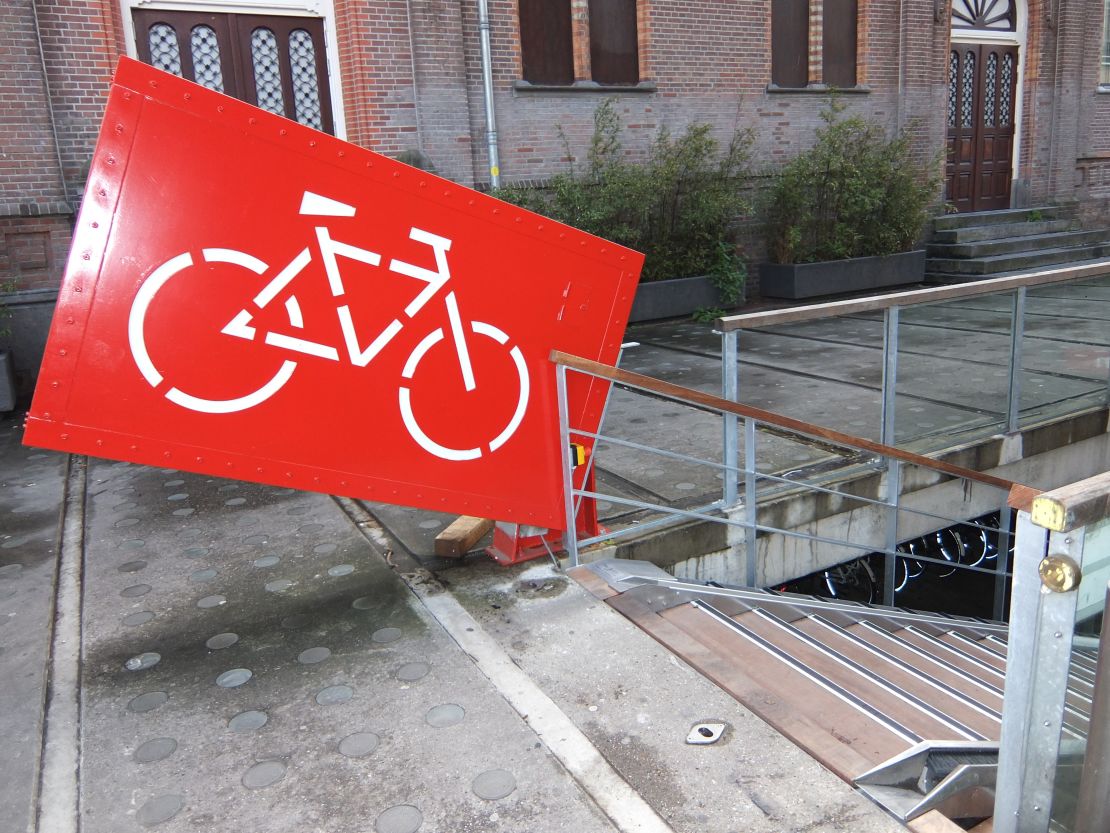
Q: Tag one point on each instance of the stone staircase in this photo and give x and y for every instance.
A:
(989, 244)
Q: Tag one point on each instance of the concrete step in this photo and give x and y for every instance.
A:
(1016, 261)
(973, 234)
(1010, 215)
(1012, 245)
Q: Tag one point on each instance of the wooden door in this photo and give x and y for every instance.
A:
(275, 62)
(982, 87)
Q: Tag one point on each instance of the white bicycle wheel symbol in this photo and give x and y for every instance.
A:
(179, 264)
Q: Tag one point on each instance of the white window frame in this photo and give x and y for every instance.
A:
(1104, 51)
(323, 9)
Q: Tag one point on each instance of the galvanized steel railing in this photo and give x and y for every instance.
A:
(742, 513)
(1061, 568)
(891, 306)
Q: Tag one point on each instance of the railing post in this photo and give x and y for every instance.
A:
(1001, 559)
(893, 499)
(1017, 330)
(570, 535)
(750, 504)
(730, 390)
(890, 373)
(1038, 656)
(1092, 812)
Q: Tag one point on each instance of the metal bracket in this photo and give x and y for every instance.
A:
(956, 778)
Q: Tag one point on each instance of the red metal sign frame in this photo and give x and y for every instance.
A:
(250, 298)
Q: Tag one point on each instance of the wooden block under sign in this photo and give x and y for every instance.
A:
(463, 533)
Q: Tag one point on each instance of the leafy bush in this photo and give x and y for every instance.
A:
(6, 287)
(854, 193)
(679, 208)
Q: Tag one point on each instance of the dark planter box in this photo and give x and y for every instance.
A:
(833, 277)
(673, 298)
(7, 382)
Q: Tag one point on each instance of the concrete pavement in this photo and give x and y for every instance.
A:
(259, 659)
(234, 656)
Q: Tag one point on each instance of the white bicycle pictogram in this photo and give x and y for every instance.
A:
(329, 252)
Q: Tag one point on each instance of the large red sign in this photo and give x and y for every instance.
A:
(250, 298)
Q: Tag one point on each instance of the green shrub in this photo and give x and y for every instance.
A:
(679, 208)
(854, 193)
(6, 287)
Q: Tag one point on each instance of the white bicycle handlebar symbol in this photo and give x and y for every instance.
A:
(330, 250)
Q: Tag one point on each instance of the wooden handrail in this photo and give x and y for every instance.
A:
(873, 303)
(708, 400)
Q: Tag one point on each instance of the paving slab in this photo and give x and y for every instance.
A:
(638, 704)
(32, 484)
(252, 663)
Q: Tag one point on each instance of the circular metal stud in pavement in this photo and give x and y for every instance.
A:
(493, 784)
(159, 809)
(412, 671)
(402, 818)
(234, 678)
(359, 745)
(155, 750)
(148, 701)
(143, 661)
(222, 640)
(449, 714)
(263, 774)
(248, 721)
(313, 655)
(334, 695)
(384, 636)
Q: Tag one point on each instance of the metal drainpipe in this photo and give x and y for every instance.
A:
(50, 107)
(487, 84)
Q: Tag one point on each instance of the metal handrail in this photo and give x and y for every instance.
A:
(1092, 813)
(716, 403)
(875, 303)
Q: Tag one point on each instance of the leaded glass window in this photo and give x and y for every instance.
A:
(993, 15)
(1006, 100)
(991, 90)
(165, 54)
(267, 71)
(306, 90)
(206, 58)
(953, 86)
(967, 84)
(273, 61)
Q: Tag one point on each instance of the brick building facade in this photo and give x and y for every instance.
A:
(405, 77)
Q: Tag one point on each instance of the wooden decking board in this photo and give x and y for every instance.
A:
(934, 822)
(592, 582)
(849, 745)
(954, 654)
(984, 653)
(874, 692)
(834, 751)
(988, 694)
(852, 694)
(952, 702)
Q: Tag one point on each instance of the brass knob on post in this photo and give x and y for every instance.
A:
(1059, 573)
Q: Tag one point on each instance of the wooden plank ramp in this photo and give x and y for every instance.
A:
(852, 685)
